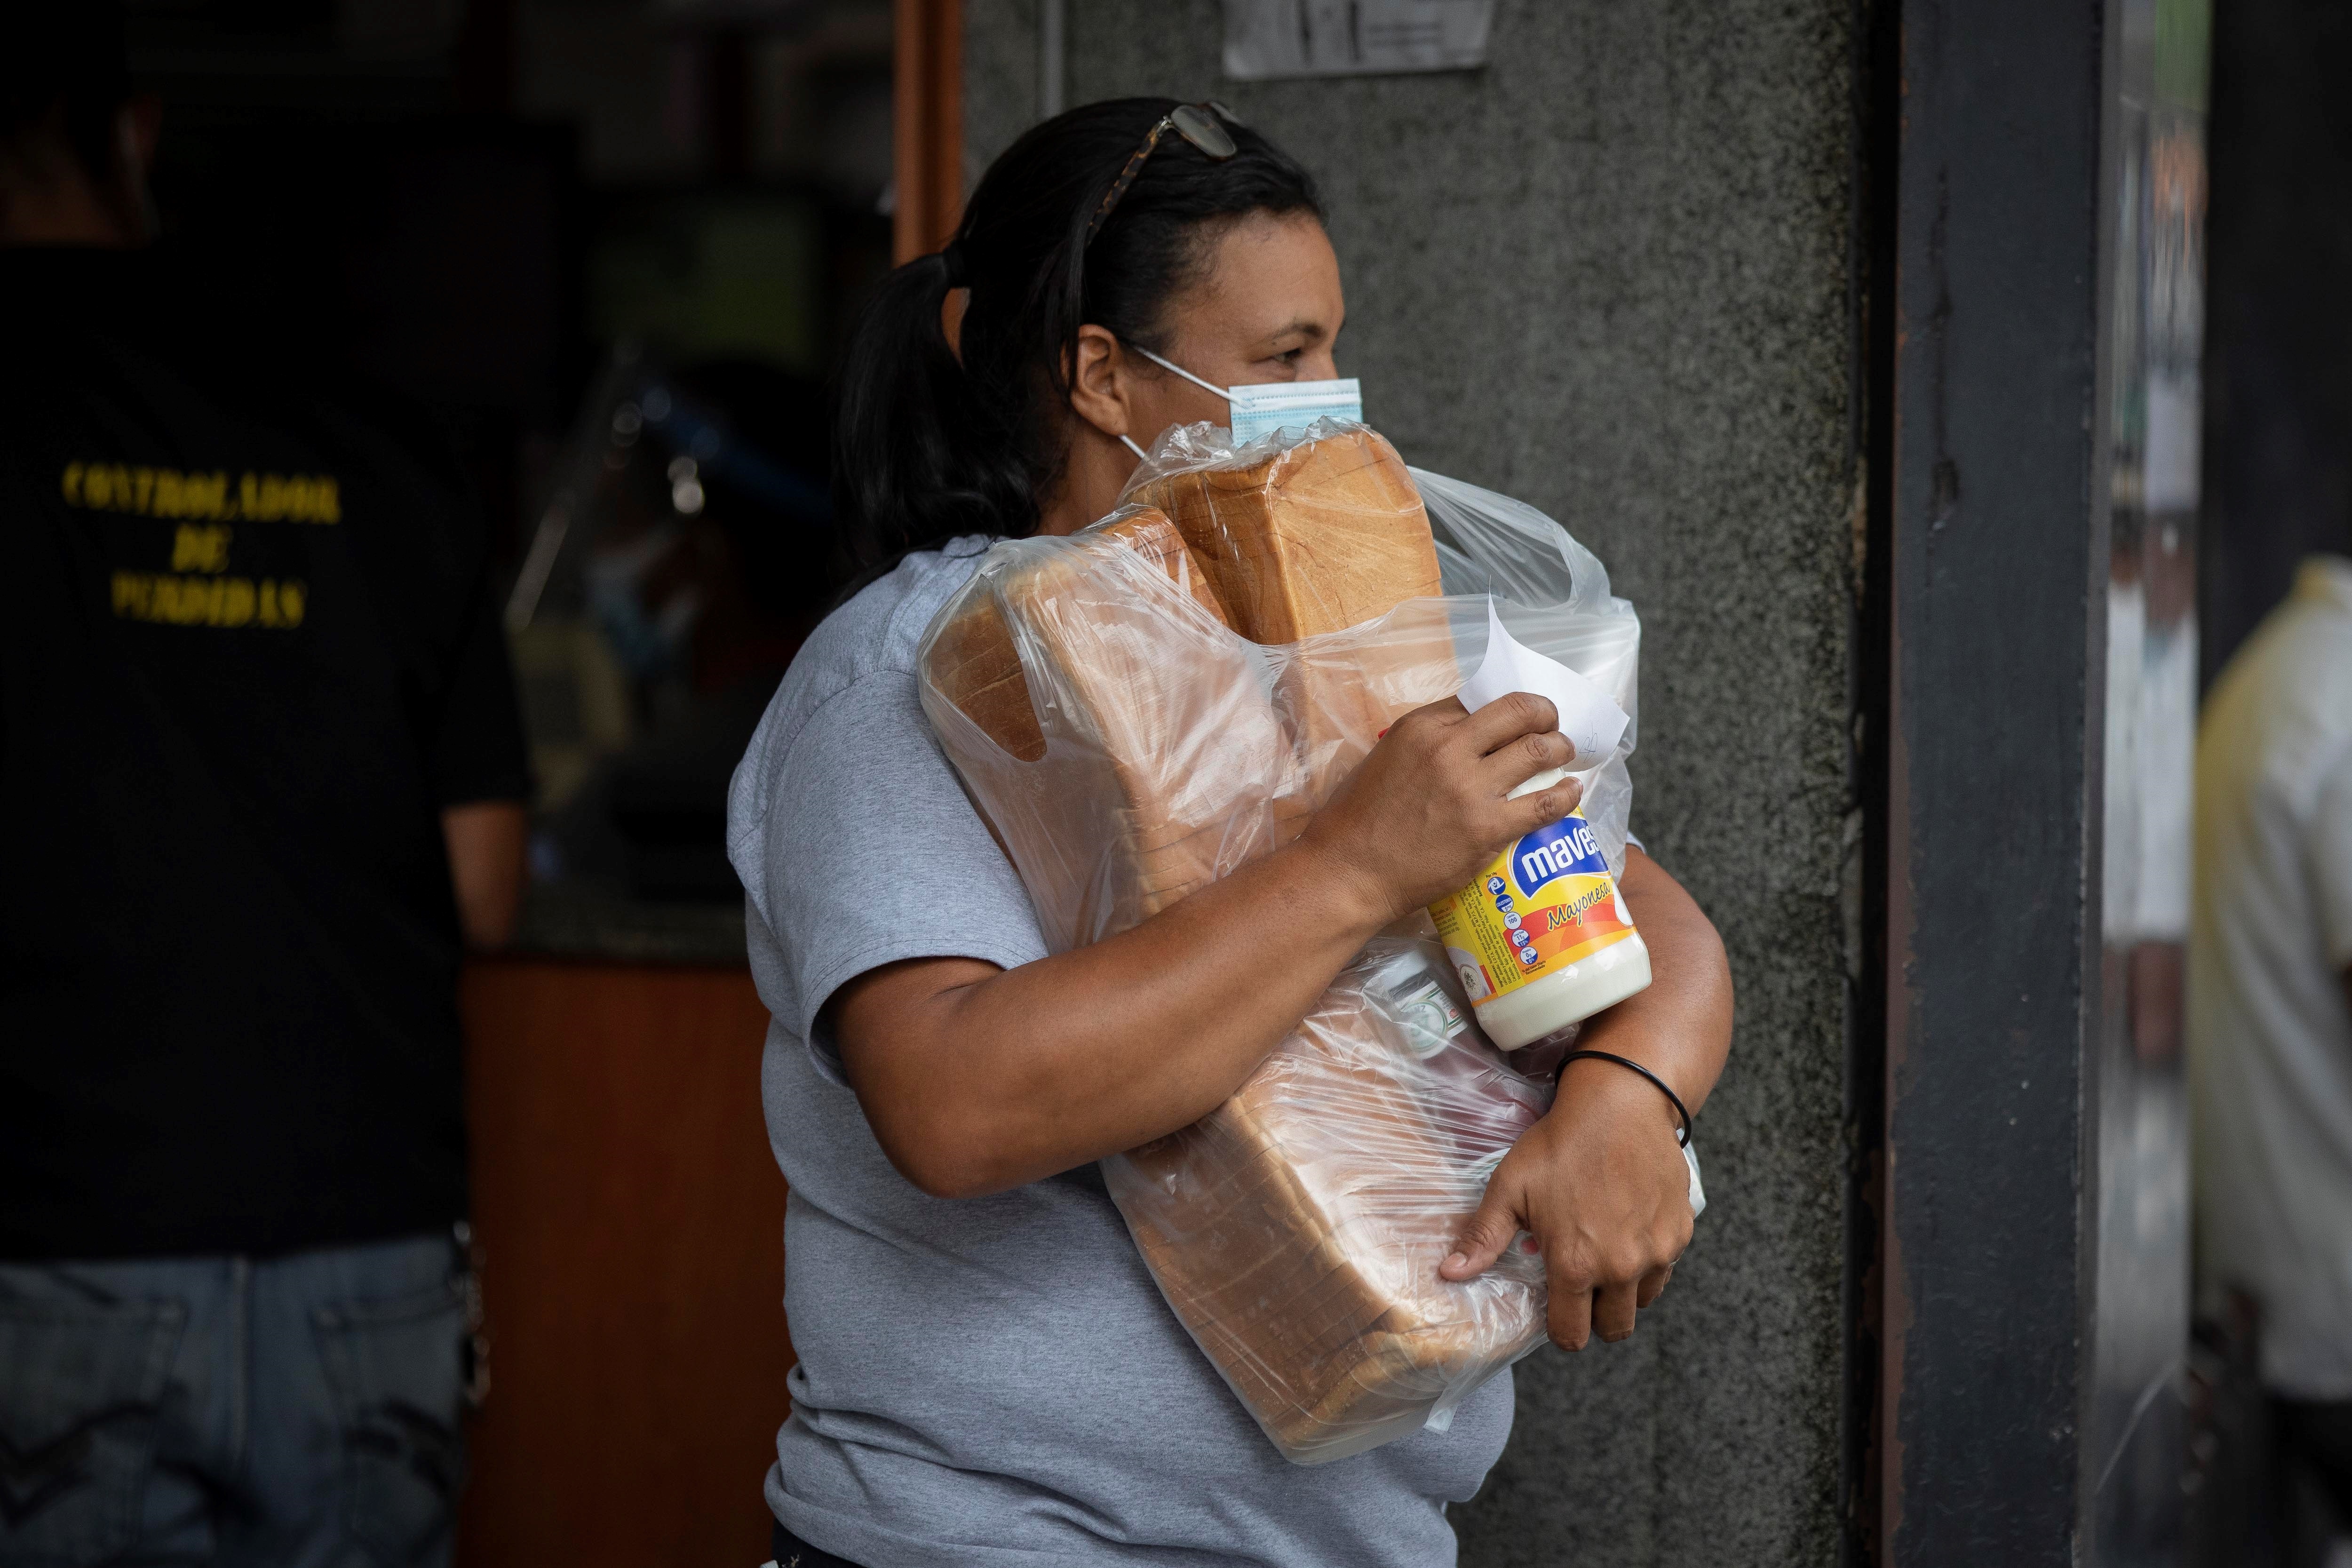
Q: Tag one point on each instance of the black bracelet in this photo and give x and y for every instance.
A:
(1682, 1135)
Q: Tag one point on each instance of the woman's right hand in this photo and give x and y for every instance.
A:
(1430, 806)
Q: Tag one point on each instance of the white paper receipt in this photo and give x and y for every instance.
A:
(1592, 722)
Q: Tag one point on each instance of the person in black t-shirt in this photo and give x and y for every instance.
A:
(260, 768)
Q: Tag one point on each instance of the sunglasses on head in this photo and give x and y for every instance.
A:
(1201, 124)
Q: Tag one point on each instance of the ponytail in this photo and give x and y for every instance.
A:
(911, 462)
(931, 441)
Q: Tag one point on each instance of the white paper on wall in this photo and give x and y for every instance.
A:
(1354, 37)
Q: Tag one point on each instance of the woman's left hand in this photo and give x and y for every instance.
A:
(1600, 1183)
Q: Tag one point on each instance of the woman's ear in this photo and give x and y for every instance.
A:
(1098, 381)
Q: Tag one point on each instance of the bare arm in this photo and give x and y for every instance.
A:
(976, 1079)
(1600, 1181)
(1681, 1030)
(485, 840)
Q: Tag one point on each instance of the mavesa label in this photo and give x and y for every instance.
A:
(1539, 907)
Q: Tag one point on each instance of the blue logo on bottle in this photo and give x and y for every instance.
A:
(1567, 845)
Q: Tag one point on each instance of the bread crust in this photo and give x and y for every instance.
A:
(1311, 540)
(1316, 538)
(1295, 1232)
(975, 662)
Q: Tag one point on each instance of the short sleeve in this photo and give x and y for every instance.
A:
(2331, 859)
(478, 753)
(870, 852)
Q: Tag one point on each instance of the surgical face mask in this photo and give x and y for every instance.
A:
(1258, 411)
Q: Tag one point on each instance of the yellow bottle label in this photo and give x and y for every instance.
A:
(1542, 904)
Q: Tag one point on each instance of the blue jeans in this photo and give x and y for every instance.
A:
(302, 1411)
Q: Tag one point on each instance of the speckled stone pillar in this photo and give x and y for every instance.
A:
(1614, 273)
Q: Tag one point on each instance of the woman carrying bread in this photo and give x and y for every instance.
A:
(988, 1373)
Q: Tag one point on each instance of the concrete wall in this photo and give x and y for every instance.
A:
(1613, 274)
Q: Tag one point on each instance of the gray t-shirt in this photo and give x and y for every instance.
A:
(992, 1381)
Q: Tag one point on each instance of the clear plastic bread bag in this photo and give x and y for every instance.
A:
(1118, 707)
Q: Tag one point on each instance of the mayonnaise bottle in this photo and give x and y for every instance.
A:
(1542, 938)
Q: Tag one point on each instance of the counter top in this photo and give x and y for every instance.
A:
(582, 919)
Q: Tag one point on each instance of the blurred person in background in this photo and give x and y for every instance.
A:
(260, 773)
(2270, 1031)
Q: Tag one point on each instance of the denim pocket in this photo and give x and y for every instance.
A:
(398, 1369)
(81, 1388)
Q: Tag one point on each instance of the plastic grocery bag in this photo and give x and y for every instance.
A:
(1115, 704)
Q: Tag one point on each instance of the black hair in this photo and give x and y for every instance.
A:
(65, 62)
(931, 441)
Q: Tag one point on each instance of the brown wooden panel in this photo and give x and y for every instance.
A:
(632, 1222)
(927, 110)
